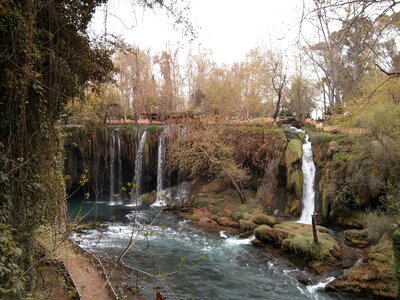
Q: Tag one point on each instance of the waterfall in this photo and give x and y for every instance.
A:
(115, 161)
(308, 168)
(160, 170)
(112, 164)
(119, 157)
(139, 166)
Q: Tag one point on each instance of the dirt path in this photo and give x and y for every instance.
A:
(86, 276)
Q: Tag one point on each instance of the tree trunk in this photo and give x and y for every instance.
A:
(314, 229)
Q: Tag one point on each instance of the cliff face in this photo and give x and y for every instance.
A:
(349, 177)
(274, 165)
(92, 153)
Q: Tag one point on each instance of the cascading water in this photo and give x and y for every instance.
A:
(160, 170)
(308, 168)
(139, 167)
(119, 157)
(115, 161)
(112, 164)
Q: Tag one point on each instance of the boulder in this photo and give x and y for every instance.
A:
(333, 147)
(304, 279)
(246, 225)
(293, 152)
(300, 242)
(375, 276)
(258, 243)
(263, 219)
(357, 238)
(267, 234)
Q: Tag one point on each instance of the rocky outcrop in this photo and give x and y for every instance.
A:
(266, 234)
(357, 238)
(297, 239)
(246, 225)
(375, 276)
(263, 219)
(290, 169)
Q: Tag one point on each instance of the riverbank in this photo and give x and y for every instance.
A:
(340, 253)
(78, 275)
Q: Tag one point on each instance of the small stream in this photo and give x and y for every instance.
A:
(213, 266)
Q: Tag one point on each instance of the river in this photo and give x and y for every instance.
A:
(211, 265)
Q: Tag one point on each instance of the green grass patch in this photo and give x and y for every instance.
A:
(318, 138)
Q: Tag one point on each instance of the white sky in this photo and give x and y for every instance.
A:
(230, 28)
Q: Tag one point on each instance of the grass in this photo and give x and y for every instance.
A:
(318, 138)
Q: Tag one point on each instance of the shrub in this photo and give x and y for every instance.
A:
(377, 225)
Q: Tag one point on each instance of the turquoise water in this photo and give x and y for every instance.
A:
(203, 265)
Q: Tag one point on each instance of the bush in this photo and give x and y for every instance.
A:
(11, 276)
(377, 225)
(318, 138)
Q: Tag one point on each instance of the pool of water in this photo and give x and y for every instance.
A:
(192, 263)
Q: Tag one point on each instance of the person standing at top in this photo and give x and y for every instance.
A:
(159, 295)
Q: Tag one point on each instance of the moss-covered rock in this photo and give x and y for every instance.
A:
(267, 234)
(293, 152)
(291, 162)
(295, 181)
(300, 241)
(357, 238)
(376, 276)
(263, 219)
(246, 225)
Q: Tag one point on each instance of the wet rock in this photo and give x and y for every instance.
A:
(246, 234)
(376, 275)
(357, 238)
(258, 243)
(350, 256)
(304, 279)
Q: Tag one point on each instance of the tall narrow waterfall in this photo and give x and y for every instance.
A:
(308, 168)
(119, 157)
(112, 165)
(139, 165)
(115, 161)
(161, 167)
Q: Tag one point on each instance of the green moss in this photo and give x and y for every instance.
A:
(246, 225)
(359, 238)
(396, 249)
(302, 136)
(194, 217)
(293, 152)
(267, 234)
(300, 241)
(263, 219)
(154, 128)
(318, 138)
(295, 181)
(340, 160)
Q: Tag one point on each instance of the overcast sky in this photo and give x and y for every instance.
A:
(229, 28)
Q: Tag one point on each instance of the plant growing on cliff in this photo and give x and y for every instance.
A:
(202, 153)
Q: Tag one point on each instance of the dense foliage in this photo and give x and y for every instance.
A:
(46, 58)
